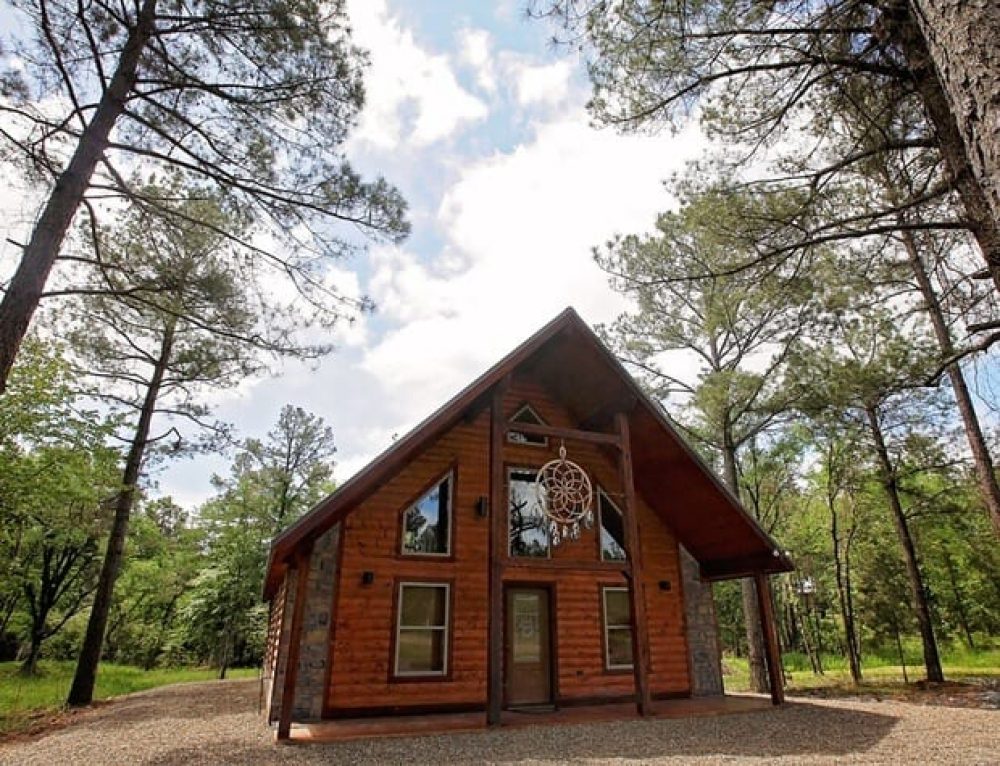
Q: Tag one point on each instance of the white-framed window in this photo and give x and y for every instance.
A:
(527, 415)
(527, 525)
(422, 621)
(617, 628)
(612, 529)
(427, 523)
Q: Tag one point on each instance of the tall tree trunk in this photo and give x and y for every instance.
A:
(986, 477)
(82, 690)
(918, 591)
(30, 665)
(956, 591)
(979, 213)
(902, 656)
(748, 591)
(849, 591)
(962, 39)
(846, 614)
(26, 286)
(815, 661)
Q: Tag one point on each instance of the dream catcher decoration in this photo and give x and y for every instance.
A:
(566, 497)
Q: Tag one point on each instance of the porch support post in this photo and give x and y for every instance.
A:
(637, 600)
(498, 553)
(769, 629)
(302, 560)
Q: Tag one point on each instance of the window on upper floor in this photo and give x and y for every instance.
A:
(527, 415)
(422, 624)
(527, 525)
(427, 523)
(612, 529)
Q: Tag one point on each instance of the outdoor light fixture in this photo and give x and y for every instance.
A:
(664, 584)
(367, 577)
(482, 507)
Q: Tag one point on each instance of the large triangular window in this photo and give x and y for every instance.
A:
(527, 415)
(612, 529)
(427, 523)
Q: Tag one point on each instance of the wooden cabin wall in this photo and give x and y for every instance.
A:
(365, 617)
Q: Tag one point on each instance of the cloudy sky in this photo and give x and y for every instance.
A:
(482, 125)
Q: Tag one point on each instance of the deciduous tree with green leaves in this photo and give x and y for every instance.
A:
(273, 481)
(56, 479)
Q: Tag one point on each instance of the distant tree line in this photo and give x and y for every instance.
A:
(189, 585)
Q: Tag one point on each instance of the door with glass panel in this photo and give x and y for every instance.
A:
(528, 660)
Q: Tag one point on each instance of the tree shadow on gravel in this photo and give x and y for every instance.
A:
(797, 729)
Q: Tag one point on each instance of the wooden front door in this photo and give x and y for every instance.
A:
(528, 655)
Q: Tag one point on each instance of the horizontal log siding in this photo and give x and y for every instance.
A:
(365, 620)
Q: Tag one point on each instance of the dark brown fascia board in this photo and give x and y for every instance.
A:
(731, 569)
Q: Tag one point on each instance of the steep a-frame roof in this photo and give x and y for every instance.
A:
(567, 357)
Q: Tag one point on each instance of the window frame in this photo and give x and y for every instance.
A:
(451, 476)
(511, 470)
(516, 437)
(605, 628)
(444, 674)
(602, 493)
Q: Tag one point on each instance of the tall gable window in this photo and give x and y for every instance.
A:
(612, 529)
(422, 629)
(527, 415)
(528, 527)
(617, 629)
(427, 523)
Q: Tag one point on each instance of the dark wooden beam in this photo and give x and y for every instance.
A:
(770, 630)
(604, 415)
(498, 553)
(744, 566)
(536, 429)
(301, 570)
(633, 552)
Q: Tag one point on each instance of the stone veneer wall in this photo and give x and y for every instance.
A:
(314, 655)
(314, 651)
(702, 630)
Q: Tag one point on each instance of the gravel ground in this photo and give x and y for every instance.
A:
(216, 722)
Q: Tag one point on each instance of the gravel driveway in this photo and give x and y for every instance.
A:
(216, 722)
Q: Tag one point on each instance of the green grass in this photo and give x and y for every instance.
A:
(23, 699)
(881, 671)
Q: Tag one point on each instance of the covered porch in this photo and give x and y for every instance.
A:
(347, 729)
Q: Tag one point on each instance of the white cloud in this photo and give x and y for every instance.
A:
(412, 94)
(525, 223)
(540, 84)
(475, 51)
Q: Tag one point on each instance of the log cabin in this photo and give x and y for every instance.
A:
(431, 582)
